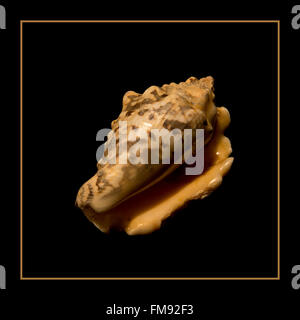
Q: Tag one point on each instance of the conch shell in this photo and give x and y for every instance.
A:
(138, 197)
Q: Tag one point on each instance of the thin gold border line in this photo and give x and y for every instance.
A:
(21, 145)
(150, 21)
(278, 150)
(21, 149)
(79, 278)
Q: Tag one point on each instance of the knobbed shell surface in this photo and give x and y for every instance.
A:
(187, 105)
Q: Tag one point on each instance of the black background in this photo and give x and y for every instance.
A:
(74, 78)
(77, 81)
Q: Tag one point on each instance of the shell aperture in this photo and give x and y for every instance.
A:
(187, 105)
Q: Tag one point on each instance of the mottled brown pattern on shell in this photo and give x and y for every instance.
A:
(162, 107)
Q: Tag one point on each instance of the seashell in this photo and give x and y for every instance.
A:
(136, 198)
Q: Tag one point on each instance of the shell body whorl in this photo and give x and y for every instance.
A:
(187, 105)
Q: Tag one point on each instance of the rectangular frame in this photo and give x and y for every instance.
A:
(150, 21)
